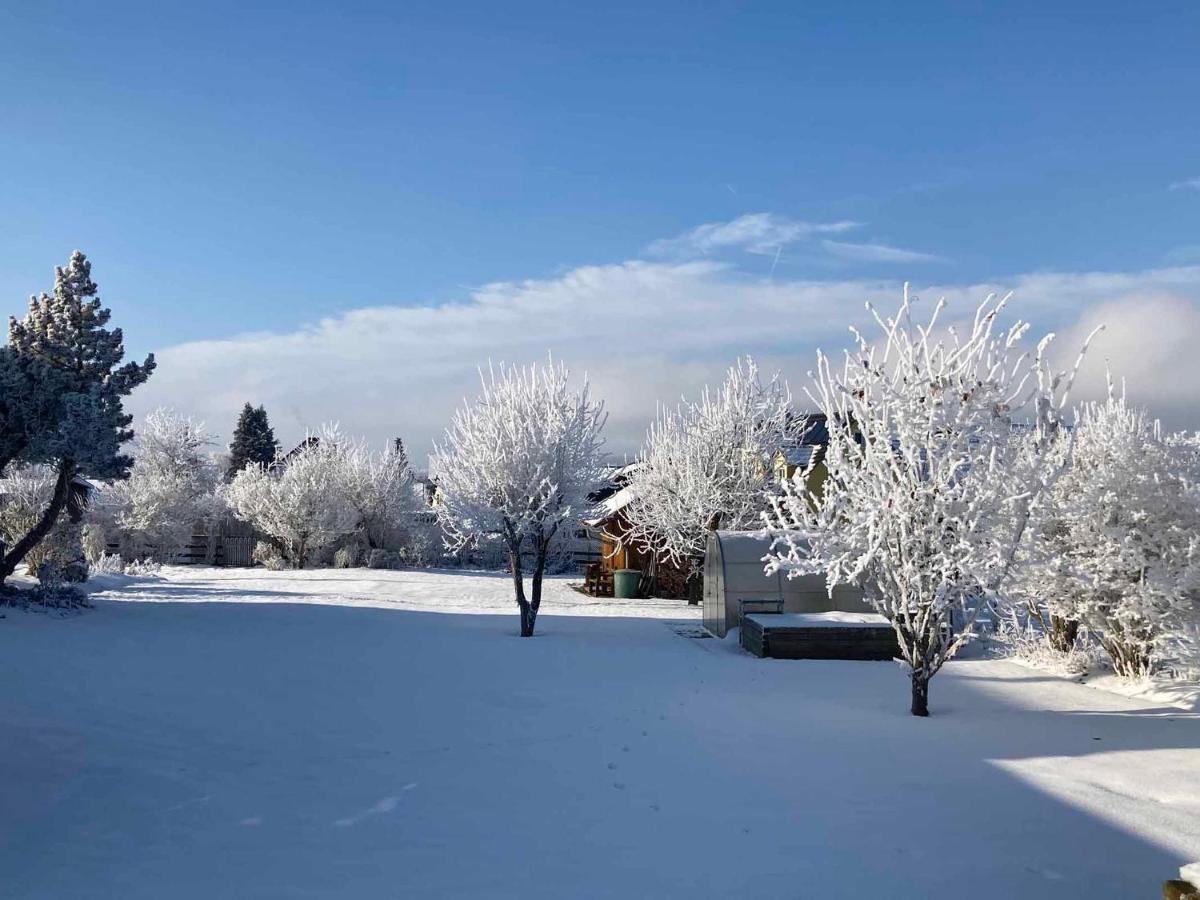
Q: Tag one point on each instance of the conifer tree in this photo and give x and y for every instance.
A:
(65, 333)
(253, 441)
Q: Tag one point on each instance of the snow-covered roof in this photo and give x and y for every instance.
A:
(798, 456)
(610, 506)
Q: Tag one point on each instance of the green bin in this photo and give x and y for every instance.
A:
(625, 583)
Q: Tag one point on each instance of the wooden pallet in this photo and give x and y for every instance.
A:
(784, 640)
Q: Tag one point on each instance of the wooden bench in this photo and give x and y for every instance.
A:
(598, 581)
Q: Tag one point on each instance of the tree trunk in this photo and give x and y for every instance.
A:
(920, 693)
(527, 614)
(539, 569)
(1063, 633)
(58, 502)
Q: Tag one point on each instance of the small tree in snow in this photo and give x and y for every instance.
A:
(170, 488)
(930, 487)
(1118, 548)
(707, 465)
(519, 464)
(302, 503)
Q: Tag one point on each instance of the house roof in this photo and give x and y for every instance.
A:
(798, 456)
(610, 506)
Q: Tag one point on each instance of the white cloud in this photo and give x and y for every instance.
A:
(1187, 184)
(762, 233)
(876, 253)
(645, 332)
(1152, 342)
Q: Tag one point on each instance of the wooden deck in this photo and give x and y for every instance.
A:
(817, 636)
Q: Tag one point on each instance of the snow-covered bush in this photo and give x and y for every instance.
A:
(268, 556)
(106, 564)
(170, 490)
(143, 567)
(27, 492)
(346, 557)
(1118, 548)
(707, 465)
(379, 486)
(1022, 638)
(518, 464)
(95, 541)
(332, 488)
(931, 482)
(303, 503)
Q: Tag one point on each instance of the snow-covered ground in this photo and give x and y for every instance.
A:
(228, 733)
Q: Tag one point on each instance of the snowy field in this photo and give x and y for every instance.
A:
(352, 733)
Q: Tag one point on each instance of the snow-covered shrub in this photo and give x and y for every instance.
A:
(423, 544)
(143, 567)
(268, 556)
(346, 557)
(931, 483)
(170, 489)
(333, 486)
(379, 486)
(707, 465)
(518, 464)
(303, 503)
(28, 491)
(106, 564)
(95, 541)
(1118, 548)
(379, 558)
(1018, 636)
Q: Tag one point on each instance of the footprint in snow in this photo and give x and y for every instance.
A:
(386, 805)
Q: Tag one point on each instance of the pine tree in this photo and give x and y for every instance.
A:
(65, 333)
(253, 441)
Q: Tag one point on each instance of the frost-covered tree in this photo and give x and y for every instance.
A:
(65, 332)
(931, 481)
(171, 487)
(1117, 549)
(253, 441)
(707, 465)
(519, 463)
(302, 503)
(380, 489)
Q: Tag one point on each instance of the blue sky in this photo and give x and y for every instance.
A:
(244, 168)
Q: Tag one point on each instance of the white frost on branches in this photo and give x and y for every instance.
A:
(171, 486)
(707, 465)
(932, 479)
(1118, 548)
(518, 464)
(304, 503)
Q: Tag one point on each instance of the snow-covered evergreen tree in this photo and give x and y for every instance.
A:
(1117, 549)
(30, 404)
(519, 463)
(707, 465)
(931, 481)
(66, 333)
(170, 489)
(253, 441)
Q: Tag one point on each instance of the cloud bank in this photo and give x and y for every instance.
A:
(647, 332)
